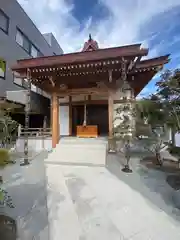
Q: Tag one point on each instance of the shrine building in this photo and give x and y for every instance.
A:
(86, 86)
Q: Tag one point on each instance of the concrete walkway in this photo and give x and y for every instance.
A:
(92, 203)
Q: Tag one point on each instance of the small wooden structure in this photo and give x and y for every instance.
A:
(93, 73)
(87, 131)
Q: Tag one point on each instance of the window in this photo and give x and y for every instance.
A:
(23, 41)
(2, 68)
(45, 94)
(34, 52)
(25, 83)
(39, 91)
(27, 45)
(18, 80)
(33, 88)
(4, 22)
(19, 38)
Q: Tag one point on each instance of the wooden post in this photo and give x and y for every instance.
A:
(55, 119)
(58, 121)
(70, 115)
(85, 112)
(110, 114)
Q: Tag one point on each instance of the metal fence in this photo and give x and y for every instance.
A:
(36, 132)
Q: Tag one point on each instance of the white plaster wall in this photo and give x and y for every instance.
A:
(64, 120)
(177, 139)
(78, 98)
(64, 100)
(98, 97)
(34, 144)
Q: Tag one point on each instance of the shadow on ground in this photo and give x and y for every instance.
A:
(150, 183)
(27, 188)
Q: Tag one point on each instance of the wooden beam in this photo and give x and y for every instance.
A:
(153, 62)
(76, 77)
(81, 57)
(83, 91)
(110, 75)
(133, 64)
(96, 102)
(55, 119)
(80, 103)
(58, 121)
(82, 70)
(52, 81)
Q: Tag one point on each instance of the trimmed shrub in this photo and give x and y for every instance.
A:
(4, 157)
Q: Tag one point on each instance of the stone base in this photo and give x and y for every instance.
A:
(24, 164)
(126, 169)
(112, 151)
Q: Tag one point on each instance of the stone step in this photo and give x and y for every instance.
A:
(79, 152)
(92, 141)
(79, 145)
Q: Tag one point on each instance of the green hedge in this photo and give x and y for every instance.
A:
(4, 157)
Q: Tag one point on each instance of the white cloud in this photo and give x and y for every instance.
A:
(120, 27)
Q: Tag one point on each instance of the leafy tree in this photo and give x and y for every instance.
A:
(161, 109)
(2, 66)
(169, 97)
(146, 116)
(151, 110)
(152, 141)
(8, 129)
(5, 199)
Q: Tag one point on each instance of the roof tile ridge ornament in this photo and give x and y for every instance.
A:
(90, 45)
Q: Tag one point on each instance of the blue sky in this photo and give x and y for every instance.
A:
(154, 23)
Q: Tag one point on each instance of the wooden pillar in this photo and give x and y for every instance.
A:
(58, 121)
(110, 114)
(70, 115)
(55, 119)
